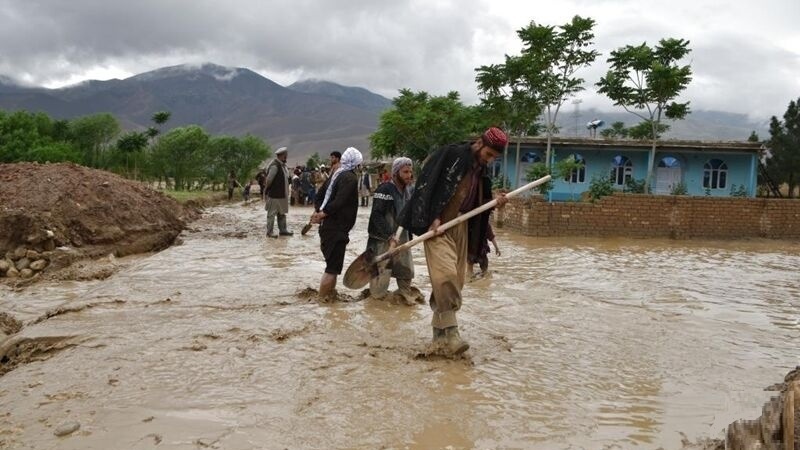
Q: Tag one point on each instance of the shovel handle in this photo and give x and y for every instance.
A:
(450, 224)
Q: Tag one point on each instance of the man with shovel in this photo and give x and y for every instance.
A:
(387, 202)
(454, 180)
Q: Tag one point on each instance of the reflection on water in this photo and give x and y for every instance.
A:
(576, 343)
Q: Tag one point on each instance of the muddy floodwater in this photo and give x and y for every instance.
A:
(575, 343)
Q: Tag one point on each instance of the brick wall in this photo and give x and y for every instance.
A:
(677, 217)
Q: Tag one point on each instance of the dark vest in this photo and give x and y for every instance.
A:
(278, 187)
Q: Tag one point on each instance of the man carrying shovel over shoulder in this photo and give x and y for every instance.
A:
(387, 202)
(454, 180)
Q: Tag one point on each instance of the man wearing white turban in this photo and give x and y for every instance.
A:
(337, 215)
(388, 200)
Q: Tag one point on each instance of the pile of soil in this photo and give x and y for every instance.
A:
(83, 212)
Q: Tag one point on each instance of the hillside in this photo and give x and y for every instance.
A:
(307, 116)
(312, 116)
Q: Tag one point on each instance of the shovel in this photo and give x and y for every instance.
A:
(305, 229)
(365, 266)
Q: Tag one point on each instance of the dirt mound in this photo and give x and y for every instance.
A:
(53, 205)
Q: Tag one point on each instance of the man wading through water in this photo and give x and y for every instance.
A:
(387, 202)
(337, 215)
(277, 194)
(454, 180)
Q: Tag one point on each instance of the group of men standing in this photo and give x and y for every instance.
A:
(453, 180)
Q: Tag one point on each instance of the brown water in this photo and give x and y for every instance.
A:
(576, 343)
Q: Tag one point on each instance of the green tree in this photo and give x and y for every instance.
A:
(314, 161)
(617, 131)
(240, 155)
(93, 135)
(180, 155)
(536, 171)
(783, 165)
(537, 82)
(645, 81)
(420, 123)
(753, 137)
(131, 145)
(643, 131)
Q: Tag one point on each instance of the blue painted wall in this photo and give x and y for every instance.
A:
(741, 168)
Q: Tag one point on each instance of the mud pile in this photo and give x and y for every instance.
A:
(61, 213)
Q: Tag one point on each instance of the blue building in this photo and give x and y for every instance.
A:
(704, 168)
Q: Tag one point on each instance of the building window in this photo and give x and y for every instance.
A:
(715, 174)
(621, 170)
(669, 161)
(579, 175)
(530, 157)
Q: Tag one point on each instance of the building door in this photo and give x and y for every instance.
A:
(666, 179)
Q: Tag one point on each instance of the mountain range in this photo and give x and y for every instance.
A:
(307, 116)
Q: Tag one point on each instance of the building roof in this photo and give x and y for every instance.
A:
(631, 144)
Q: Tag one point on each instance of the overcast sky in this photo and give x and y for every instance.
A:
(745, 54)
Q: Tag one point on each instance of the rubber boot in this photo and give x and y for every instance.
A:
(439, 339)
(454, 345)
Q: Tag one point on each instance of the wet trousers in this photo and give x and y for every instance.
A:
(446, 256)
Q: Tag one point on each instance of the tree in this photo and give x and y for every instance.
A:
(420, 123)
(617, 131)
(537, 82)
(645, 81)
(240, 155)
(314, 161)
(131, 144)
(643, 131)
(783, 166)
(753, 137)
(180, 154)
(93, 135)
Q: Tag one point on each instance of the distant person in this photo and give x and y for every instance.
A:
(246, 191)
(277, 194)
(337, 215)
(334, 159)
(233, 183)
(387, 203)
(365, 187)
(261, 178)
(385, 177)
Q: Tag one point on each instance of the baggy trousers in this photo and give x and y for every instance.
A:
(446, 256)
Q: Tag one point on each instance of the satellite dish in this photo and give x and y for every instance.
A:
(594, 124)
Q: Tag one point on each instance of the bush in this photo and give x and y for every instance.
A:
(600, 186)
(679, 189)
(536, 171)
(634, 186)
(738, 190)
(499, 182)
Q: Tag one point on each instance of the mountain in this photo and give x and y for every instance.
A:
(308, 116)
(313, 116)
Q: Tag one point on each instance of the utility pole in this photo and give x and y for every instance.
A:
(577, 114)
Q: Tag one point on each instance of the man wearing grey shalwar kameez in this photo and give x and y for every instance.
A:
(277, 194)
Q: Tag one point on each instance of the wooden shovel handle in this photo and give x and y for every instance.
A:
(450, 224)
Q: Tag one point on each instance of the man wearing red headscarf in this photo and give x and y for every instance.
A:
(453, 181)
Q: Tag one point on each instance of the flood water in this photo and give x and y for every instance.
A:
(575, 343)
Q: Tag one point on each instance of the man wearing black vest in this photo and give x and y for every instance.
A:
(277, 193)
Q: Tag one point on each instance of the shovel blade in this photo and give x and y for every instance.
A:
(360, 271)
(305, 229)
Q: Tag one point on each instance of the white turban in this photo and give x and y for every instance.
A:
(399, 163)
(351, 158)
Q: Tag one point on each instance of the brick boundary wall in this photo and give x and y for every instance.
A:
(654, 216)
